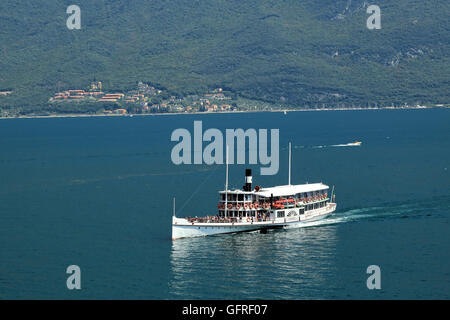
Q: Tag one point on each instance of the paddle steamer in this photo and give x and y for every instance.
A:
(259, 208)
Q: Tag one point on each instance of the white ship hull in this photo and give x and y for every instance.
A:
(182, 228)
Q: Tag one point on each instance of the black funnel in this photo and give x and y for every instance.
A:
(248, 180)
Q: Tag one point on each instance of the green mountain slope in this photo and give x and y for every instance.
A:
(294, 52)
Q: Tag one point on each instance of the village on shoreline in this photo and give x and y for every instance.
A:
(286, 111)
(145, 99)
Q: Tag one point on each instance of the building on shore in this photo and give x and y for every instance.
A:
(120, 111)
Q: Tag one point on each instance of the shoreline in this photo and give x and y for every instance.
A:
(81, 115)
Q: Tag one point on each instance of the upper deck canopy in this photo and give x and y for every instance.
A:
(286, 190)
(291, 189)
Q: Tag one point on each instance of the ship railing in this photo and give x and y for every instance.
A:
(217, 219)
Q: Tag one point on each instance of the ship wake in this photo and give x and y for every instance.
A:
(435, 207)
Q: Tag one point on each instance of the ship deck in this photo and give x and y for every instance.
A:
(212, 221)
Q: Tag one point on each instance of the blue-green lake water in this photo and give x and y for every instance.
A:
(97, 192)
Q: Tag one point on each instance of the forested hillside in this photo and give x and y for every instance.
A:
(299, 53)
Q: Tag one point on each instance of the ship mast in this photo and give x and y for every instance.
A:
(289, 183)
(226, 181)
(174, 206)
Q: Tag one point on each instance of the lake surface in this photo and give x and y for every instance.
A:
(97, 192)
